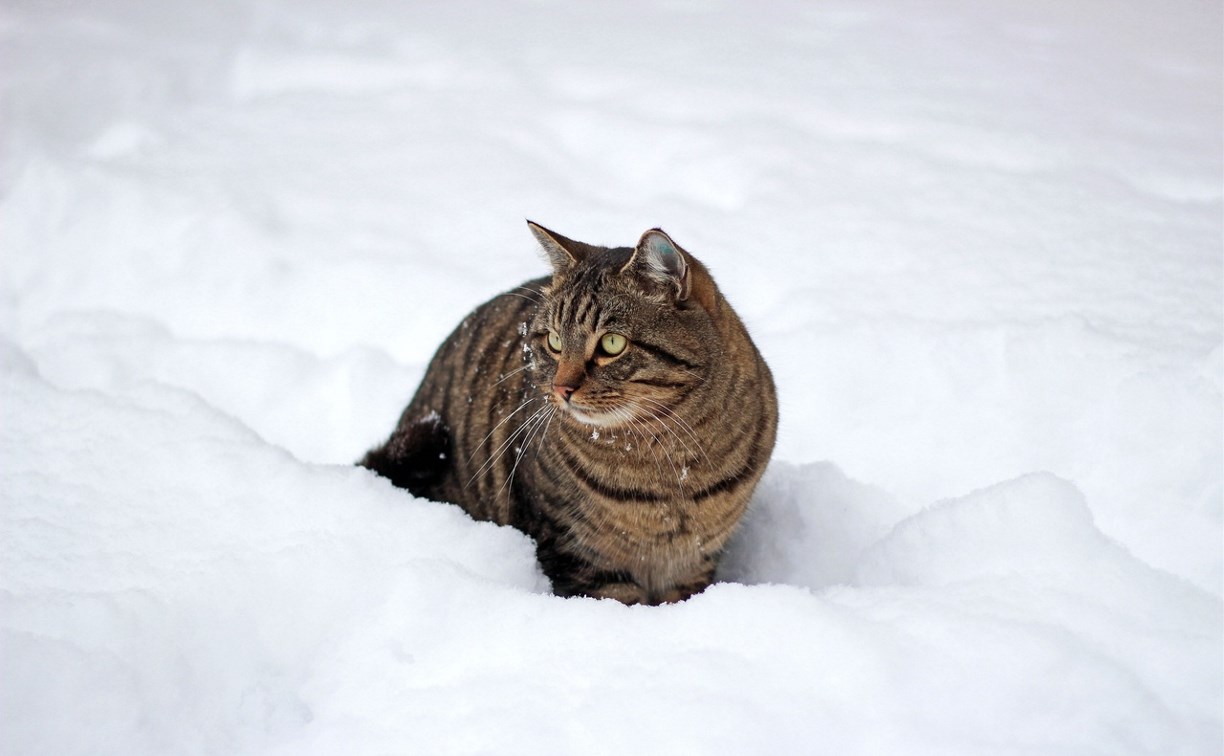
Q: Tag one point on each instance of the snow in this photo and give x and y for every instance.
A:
(979, 244)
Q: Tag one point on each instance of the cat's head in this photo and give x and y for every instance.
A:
(623, 334)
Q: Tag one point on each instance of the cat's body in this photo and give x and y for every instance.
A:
(618, 413)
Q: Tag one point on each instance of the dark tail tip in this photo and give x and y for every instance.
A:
(416, 456)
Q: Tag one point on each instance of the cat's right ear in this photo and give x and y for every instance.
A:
(563, 253)
(660, 260)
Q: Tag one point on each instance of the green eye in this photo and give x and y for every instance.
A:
(612, 343)
(554, 341)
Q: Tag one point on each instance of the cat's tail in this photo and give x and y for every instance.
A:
(416, 457)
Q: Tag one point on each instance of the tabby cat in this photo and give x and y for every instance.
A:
(616, 412)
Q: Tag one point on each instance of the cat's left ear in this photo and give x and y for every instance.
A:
(661, 260)
(563, 253)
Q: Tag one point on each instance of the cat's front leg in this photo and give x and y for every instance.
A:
(621, 586)
(628, 592)
(573, 576)
(624, 592)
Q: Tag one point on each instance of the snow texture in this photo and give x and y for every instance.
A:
(979, 244)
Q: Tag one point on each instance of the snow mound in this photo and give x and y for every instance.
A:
(1033, 525)
(168, 576)
(808, 525)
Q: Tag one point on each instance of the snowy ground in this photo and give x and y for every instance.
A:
(979, 243)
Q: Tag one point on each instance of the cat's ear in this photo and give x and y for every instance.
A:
(563, 253)
(661, 260)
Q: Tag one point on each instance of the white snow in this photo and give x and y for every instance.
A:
(979, 244)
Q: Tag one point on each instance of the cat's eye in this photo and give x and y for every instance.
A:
(554, 341)
(612, 344)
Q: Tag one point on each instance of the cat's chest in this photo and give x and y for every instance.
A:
(634, 487)
(659, 465)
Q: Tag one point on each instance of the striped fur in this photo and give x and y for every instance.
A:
(630, 470)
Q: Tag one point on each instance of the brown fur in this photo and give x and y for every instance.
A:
(632, 470)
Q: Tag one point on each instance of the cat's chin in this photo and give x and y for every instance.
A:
(594, 419)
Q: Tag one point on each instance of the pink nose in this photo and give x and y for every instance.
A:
(564, 391)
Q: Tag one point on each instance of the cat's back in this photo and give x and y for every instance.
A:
(475, 388)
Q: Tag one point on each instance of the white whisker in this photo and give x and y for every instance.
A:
(493, 457)
(517, 410)
(511, 373)
(639, 428)
(680, 422)
(524, 296)
(540, 420)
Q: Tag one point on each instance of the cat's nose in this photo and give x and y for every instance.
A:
(563, 390)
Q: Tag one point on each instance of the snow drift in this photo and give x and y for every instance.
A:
(979, 246)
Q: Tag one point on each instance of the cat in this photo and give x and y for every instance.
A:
(617, 412)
